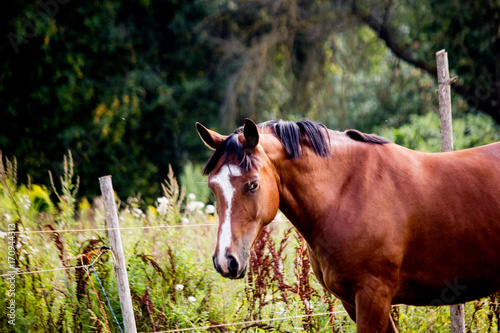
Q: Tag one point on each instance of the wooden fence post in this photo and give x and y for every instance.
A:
(115, 240)
(457, 310)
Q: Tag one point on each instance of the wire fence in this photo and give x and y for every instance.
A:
(106, 229)
(248, 322)
(175, 226)
(63, 268)
(86, 267)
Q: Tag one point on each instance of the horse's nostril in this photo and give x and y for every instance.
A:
(232, 265)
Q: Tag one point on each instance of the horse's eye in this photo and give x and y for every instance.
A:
(253, 186)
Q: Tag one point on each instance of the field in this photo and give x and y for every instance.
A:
(168, 246)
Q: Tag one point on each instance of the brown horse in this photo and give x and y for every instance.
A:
(384, 224)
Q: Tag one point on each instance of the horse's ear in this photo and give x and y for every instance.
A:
(251, 133)
(210, 138)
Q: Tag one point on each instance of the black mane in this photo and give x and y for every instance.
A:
(291, 136)
(368, 138)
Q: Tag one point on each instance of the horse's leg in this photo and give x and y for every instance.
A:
(373, 307)
(351, 310)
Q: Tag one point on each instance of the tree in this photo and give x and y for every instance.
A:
(468, 30)
(120, 83)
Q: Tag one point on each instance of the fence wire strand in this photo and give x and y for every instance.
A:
(106, 229)
(60, 268)
(239, 323)
(175, 226)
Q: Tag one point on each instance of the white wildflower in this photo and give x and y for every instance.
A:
(7, 217)
(162, 200)
(185, 220)
(195, 206)
(25, 201)
(179, 287)
(162, 207)
(191, 299)
(191, 196)
(209, 209)
(138, 213)
(162, 210)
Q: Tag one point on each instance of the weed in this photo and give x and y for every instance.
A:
(67, 197)
(174, 194)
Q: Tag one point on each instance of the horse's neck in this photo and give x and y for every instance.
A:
(309, 186)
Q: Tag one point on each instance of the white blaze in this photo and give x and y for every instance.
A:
(223, 180)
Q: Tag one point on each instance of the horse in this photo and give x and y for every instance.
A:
(384, 224)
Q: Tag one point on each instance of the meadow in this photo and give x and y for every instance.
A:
(168, 247)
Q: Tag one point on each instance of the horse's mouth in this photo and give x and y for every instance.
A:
(239, 275)
(242, 274)
(233, 273)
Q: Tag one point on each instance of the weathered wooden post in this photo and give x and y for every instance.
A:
(444, 81)
(115, 240)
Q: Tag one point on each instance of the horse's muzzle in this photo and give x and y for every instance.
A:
(234, 269)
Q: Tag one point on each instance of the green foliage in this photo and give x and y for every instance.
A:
(121, 83)
(67, 198)
(194, 182)
(370, 91)
(468, 30)
(422, 133)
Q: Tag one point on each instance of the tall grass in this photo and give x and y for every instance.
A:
(173, 284)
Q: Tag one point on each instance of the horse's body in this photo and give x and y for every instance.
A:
(384, 224)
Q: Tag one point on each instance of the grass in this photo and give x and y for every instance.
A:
(173, 284)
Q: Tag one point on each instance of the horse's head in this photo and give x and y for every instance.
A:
(244, 183)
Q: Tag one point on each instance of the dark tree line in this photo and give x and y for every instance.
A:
(121, 83)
